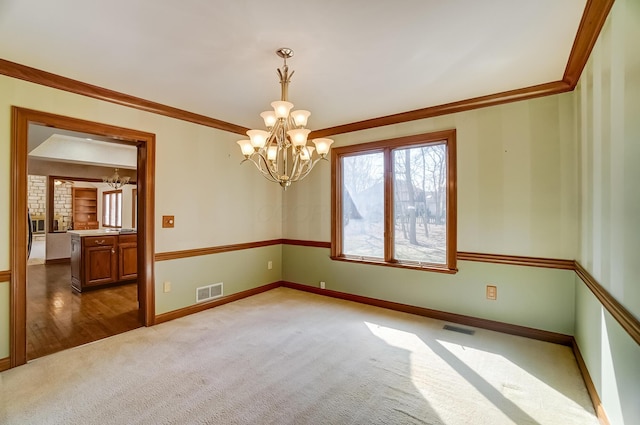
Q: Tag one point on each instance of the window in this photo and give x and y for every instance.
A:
(134, 207)
(394, 202)
(112, 208)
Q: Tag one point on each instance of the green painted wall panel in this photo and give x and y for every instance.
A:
(4, 320)
(528, 296)
(612, 358)
(608, 107)
(238, 270)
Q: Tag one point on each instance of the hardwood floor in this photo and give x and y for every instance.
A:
(59, 318)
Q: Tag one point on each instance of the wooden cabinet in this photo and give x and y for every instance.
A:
(127, 257)
(85, 208)
(102, 260)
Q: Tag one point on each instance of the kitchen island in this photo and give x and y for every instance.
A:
(102, 257)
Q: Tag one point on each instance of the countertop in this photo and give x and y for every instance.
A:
(101, 232)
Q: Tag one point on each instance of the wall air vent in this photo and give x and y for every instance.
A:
(460, 330)
(209, 292)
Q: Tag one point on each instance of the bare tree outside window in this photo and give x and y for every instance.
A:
(396, 201)
(420, 230)
(363, 205)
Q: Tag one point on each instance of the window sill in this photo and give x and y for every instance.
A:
(371, 261)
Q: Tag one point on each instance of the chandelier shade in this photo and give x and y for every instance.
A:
(281, 153)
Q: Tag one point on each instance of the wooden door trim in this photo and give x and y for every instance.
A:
(145, 142)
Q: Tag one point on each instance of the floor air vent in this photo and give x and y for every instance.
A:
(209, 292)
(457, 329)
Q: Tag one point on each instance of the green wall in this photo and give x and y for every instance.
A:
(4, 320)
(198, 179)
(238, 270)
(516, 190)
(517, 178)
(527, 296)
(608, 109)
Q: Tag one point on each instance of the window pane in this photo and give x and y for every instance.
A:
(419, 188)
(106, 208)
(363, 205)
(118, 222)
(112, 211)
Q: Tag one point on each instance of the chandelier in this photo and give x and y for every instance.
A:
(115, 181)
(281, 153)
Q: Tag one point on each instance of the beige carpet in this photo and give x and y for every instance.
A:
(289, 357)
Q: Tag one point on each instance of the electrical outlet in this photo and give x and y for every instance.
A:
(270, 265)
(492, 292)
(166, 287)
(321, 285)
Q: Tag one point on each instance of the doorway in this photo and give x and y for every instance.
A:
(145, 148)
(59, 317)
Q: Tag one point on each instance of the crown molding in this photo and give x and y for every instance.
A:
(44, 78)
(594, 16)
(539, 90)
(593, 19)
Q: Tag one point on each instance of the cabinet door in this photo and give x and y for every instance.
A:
(128, 261)
(100, 265)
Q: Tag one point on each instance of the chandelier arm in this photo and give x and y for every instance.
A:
(284, 148)
(269, 176)
(313, 164)
(274, 141)
(291, 123)
(272, 136)
(307, 167)
(257, 165)
(282, 160)
(296, 165)
(305, 171)
(301, 168)
(273, 177)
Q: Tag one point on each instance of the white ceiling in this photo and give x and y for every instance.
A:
(72, 147)
(76, 150)
(354, 59)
